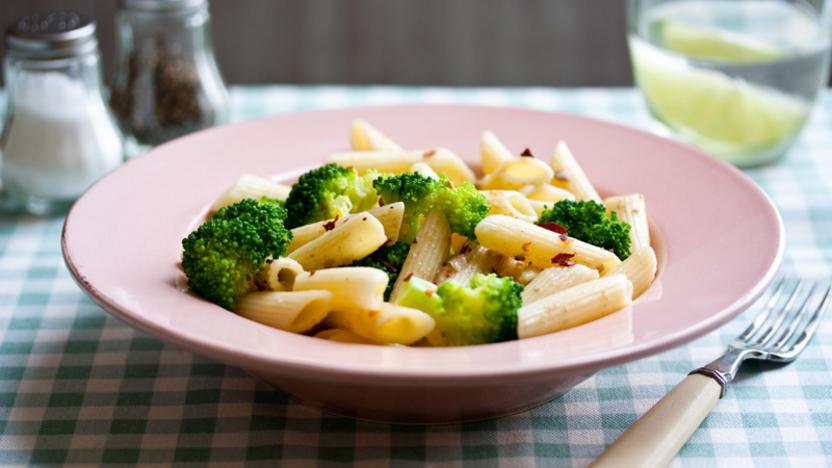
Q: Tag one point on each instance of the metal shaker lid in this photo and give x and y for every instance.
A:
(56, 34)
(158, 6)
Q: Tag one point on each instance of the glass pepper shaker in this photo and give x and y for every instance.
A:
(166, 83)
(58, 135)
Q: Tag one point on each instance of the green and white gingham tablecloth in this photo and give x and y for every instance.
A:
(79, 387)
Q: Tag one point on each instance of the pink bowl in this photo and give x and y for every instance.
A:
(719, 239)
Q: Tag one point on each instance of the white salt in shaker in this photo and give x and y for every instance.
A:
(58, 136)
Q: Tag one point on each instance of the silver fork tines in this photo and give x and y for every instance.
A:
(780, 331)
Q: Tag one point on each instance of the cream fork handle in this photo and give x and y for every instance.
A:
(656, 437)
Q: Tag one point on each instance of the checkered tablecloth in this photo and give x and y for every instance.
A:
(79, 387)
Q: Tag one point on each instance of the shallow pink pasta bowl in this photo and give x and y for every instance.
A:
(717, 235)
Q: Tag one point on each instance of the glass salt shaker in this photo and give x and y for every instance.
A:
(58, 135)
(167, 82)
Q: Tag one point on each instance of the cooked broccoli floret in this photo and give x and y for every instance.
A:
(329, 191)
(221, 257)
(483, 312)
(463, 206)
(589, 221)
(389, 259)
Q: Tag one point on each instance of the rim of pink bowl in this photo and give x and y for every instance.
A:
(589, 363)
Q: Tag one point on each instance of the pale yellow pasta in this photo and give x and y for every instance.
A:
(517, 173)
(352, 288)
(640, 268)
(294, 311)
(388, 161)
(513, 237)
(632, 210)
(516, 267)
(547, 193)
(251, 186)
(279, 275)
(428, 251)
(390, 216)
(343, 336)
(444, 161)
(365, 137)
(493, 152)
(570, 176)
(539, 206)
(424, 169)
(574, 306)
(358, 237)
(473, 259)
(389, 323)
(557, 278)
(509, 203)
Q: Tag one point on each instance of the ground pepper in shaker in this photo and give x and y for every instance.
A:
(167, 82)
(58, 135)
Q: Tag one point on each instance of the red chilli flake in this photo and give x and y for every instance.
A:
(429, 292)
(525, 246)
(527, 153)
(312, 273)
(330, 225)
(554, 227)
(407, 278)
(563, 259)
(429, 153)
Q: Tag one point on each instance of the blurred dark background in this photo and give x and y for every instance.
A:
(419, 42)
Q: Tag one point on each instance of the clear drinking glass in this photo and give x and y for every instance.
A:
(737, 78)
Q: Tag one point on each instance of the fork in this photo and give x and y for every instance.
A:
(779, 333)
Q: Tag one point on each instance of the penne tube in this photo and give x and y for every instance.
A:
(632, 210)
(574, 306)
(444, 161)
(640, 268)
(356, 238)
(390, 216)
(519, 269)
(343, 336)
(428, 251)
(547, 193)
(251, 186)
(388, 161)
(294, 311)
(389, 323)
(516, 238)
(493, 152)
(510, 203)
(557, 278)
(365, 137)
(279, 275)
(424, 169)
(517, 173)
(473, 259)
(570, 176)
(352, 288)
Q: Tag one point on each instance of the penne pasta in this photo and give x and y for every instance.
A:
(365, 137)
(574, 306)
(538, 206)
(428, 251)
(547, 193)
(424, 169)
(518, 268)
(472, 259)
(352, 288)
(389, 323)
(390, 216)
(632, 210)
(510, 203)
(387, 161)
(293, 311)
(251, 186)
(492, 152)
(640, 268)
(517, 173)
(570, 176)
(279, 275)
(444, 161)
(356, 238)
(343, 336)
(543, 248)
(557, 278)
